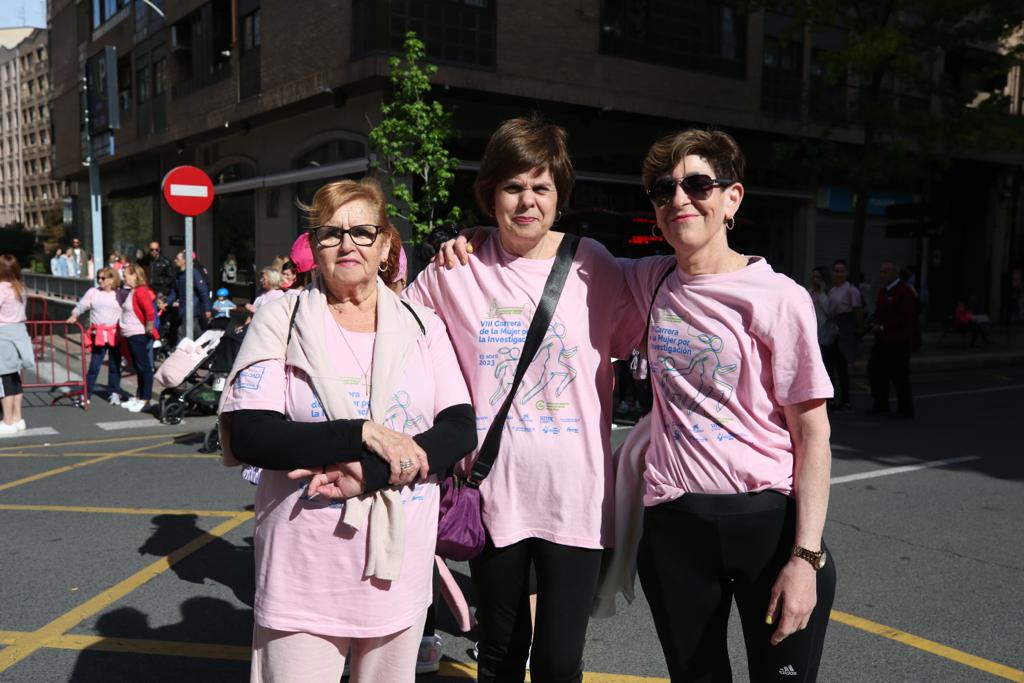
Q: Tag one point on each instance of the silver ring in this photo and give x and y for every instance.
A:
(404, 464)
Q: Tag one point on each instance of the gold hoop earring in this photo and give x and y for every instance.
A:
(729, 222)
(383, 266)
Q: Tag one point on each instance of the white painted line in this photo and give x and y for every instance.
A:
(900, 470)
(34, 431)
(189, 190)
(132, 424)
(971, 391)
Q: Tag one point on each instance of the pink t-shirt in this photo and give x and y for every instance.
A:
(268, 296)
(12, 309)
(102, 307)
(129, 324)
(843, 299)
(553, 476)
(727, 351)
(309, 567)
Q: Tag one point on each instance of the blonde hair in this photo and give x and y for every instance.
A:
(273, 276)
(138, 271)
(112, 274)
(332, 196)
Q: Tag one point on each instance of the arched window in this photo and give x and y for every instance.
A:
(329, 152)
(239, 170)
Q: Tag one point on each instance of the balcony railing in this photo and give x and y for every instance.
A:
(217, 73)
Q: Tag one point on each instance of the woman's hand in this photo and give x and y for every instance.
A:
(405, 457)
(73, 318)
(468, 241)
(793, 598)
(338, 481)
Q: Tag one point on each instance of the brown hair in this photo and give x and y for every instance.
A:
(10, 271)
(719, 149)
(138, 271)
(332, 196)
(520, 145)
(114, 275)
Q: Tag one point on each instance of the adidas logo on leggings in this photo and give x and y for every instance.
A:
(787, 670)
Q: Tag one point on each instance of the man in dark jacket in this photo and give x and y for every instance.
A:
(159, 269)
(893, 326)
(201, 303)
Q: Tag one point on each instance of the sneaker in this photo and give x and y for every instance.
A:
(20, 425)
(128, 403)
(7, 429)
(428, 660)
(115, 399)
(138, 405)
(475, 652)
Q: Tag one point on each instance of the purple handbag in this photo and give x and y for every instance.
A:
(460, 527)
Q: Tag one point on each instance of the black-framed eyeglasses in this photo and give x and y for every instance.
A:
(332, 235)
(697, 186)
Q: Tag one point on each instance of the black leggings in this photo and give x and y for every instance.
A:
(566, 584)
(838, 367)
(699, 551)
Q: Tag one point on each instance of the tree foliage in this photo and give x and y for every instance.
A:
(924, 80)
(411, 140)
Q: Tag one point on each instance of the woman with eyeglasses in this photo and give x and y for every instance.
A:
(547, 501)
(362, 392)
(737, 472)
(16, 353)
(102, 336)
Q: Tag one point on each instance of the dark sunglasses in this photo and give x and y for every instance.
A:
(700, 186)
(332, 235)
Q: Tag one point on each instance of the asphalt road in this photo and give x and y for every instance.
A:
(128, 557)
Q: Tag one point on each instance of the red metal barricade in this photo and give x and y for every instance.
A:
(37, 308)
(60, 360)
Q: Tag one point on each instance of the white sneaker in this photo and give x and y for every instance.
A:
(138, 405)
(20, 425)
(7, 429)
(428, 660)
(115, 399)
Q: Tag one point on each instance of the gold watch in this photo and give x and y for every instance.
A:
(815, 559)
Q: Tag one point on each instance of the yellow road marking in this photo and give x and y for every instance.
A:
(31, 642)
(34, 455)
(450, 669)
(930, 646)
(118, 511)
(54, 472)
(89, 454)
(139, 646)
(119, 439)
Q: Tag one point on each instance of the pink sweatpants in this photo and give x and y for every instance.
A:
(287, 657)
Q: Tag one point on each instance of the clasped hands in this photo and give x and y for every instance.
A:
(345, 479)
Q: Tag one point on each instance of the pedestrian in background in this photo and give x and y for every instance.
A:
(288, 275)
(160, 271)
(737, 472)
(102, 338)
(81, 259)
(16, 352)
(201, 302)
(372, 391)
(893, 325)
(845, 310)
(222, 308)
(59, 264)
(270, 284)
(137, 325)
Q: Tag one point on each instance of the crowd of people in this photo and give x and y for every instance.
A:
(387, 394)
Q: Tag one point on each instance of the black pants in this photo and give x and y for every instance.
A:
(701, 550)
(566, 584)
(890, 363)
(839, 368)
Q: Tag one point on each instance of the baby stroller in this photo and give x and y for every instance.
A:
(193, 376)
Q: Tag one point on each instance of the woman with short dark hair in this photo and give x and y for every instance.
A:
(547, 500)
(737, 473)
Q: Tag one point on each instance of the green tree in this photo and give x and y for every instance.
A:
(411, 141)
(926, 79)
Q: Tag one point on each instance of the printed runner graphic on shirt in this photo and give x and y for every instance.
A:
(690, 371)
(502, 333)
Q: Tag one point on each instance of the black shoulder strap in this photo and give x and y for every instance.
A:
(538, 328)
(650, 309)
(418, 321)
(291, 324)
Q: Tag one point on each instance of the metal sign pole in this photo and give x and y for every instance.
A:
(189, 282)
(95, 198)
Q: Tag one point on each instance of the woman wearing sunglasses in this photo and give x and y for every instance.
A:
(547, 500)
(737, 473)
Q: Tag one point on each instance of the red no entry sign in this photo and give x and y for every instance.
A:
(188, 190)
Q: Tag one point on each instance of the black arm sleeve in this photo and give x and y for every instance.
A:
(267, 439)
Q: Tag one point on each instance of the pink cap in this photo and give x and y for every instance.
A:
(301, 254)
(403, 266)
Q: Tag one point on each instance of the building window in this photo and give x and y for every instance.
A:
(159, 77)
(104, 10)
(330, 152)
(250, 31)
(782, 71)
(701, 35)
(457, 31)
(143, 84)
(124, 83)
